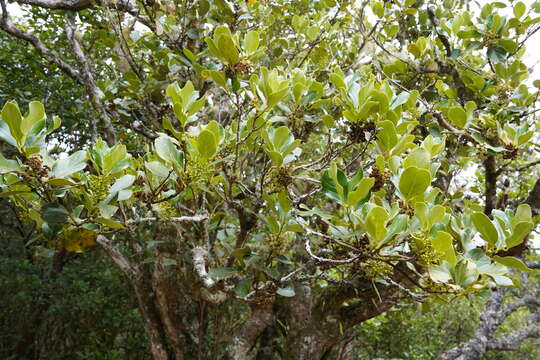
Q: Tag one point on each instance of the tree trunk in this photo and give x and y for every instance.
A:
(152, 324)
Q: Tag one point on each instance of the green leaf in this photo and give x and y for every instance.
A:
(387, 136)
(312, 32)
(496, 54)
(519, 9)
(11, 115)
(436, 214)
(361, 191)
(206, 144)
(110, 223)
(35, 114)
(485, 227)
(512, 262)
(72, 164)
(457, 116)
(398, 226)
(243, 287)
(414, 181)
(442, 243)
(251, 41)
(465, 273)
(440, 273)
(167, 150)
(122, 183)
(376, 222)
(523, 213)
(228, 49)
(509, 45)
(114, 159)
(157, 168)
(61, 182)
(329, 186)
(520, 232)
(419, 157)
(7, 165)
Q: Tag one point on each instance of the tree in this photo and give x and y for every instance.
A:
(267, 175)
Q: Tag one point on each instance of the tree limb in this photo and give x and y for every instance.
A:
(492, 317)
(534, 197)
(88, 78)
(116, 256)
(260, 317)
(195, 218)
(199, 255)
(490, 166)
(513, 340)
(8, 27)
(74, 5)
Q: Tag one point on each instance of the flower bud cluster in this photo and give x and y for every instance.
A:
(376, 269)
(98, 186)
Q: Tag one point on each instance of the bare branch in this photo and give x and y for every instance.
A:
(88, 77)
(534, 197)
(520, 168)
(8, 27)
(326, 260)
(513, 340)
(116, 256)
(492, 317)
(260, 317)
(58, 4)
(196, 218)
(199, 263)
(490, 166)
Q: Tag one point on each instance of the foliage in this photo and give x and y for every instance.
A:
(248, 150)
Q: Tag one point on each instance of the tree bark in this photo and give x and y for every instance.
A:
(490, 166)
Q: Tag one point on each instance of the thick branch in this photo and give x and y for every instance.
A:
(58, 4)
(115, 255)
(8, 27)
(476, 347)
(491, 319)
(534, 197)
(199, 263)
(88, 77)
(259, 319)
(513, 340)
(490, 166)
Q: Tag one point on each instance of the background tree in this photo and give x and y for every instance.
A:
(272, 174)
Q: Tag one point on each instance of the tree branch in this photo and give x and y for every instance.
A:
(492, 317)
(260, 317)
(116, 256)
(513, 340)
(196, 218)
(534, 197)
(74, 5)
(199, 255)
(519, 168)
(88, 78)
(8, 27)
(490, 166)
(476, 347)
